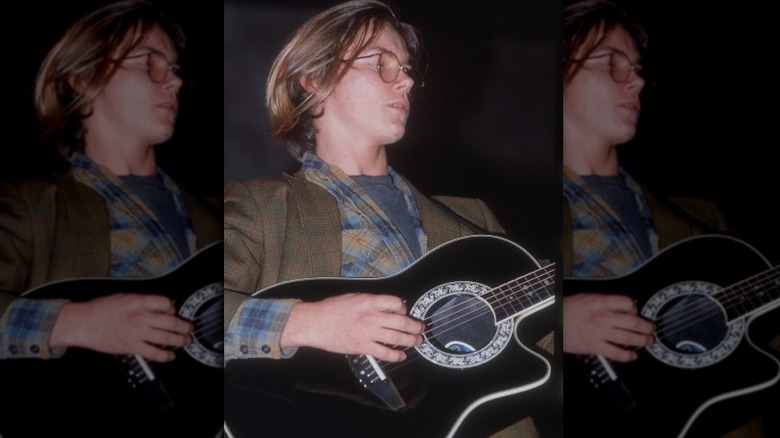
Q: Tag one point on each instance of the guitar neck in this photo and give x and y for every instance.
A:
(752, 295)
(523, 294)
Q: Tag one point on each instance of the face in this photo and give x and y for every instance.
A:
(363, 108)
(598, 109)
(132, 106)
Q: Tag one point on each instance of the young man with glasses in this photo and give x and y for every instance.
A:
(106, 94)
(339, 92)
(612, 224)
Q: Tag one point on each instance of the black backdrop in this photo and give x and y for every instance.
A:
(708, 124)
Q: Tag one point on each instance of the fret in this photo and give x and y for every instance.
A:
(750, 295)
(512, 298)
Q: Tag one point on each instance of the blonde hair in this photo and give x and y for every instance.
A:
(86, 55)
(314, 54)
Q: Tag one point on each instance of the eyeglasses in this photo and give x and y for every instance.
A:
(620, 66)
(157, 66)
(389, 68)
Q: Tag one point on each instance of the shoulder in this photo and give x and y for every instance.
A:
(473, 210)
(41, 192)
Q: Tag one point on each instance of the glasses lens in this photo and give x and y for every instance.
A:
(158, 67)
(389, 66)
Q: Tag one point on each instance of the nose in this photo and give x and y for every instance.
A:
(404, 82)
(173, 82)
(635, 82)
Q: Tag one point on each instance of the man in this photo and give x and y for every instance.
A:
(612, 225)
(339, 92)
(106, 94)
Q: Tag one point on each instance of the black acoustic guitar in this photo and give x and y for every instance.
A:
(464, 379)
(85, 393)
(706, 295)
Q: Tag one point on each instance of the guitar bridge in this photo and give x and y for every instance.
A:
(373, 378)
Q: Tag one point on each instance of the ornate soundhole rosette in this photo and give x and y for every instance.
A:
(191, 308)
(734, 331)
(502, 336)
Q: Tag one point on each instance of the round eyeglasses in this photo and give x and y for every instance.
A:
(389, 68)
(157, 66)
(620, 66)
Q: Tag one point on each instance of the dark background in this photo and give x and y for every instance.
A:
(708, 121)
(486, 124)
(193, 156)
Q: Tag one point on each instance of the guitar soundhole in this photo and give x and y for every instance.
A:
(208, 325)
(691, 324)
(461, 329)
(691, 328)
(460, 324)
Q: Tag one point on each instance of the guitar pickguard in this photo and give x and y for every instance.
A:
(680, 343)
(460, 326)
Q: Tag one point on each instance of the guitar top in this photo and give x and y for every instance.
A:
(469, 293)
(706, 371)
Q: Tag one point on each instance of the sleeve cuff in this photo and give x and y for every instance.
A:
(255, 331)
(26, 327)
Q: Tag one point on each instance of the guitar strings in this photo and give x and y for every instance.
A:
(543, 276)
(472, 307)
(692, 314)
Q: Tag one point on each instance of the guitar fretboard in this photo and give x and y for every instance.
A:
(523, 293)
(750, 295)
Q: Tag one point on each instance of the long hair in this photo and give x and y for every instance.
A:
(87, 54)
(586, 24)
(315, 53)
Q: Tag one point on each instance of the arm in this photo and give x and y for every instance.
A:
(256, 327)
(121, 324)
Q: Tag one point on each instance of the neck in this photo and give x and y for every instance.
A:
(354, 160)
(590, 158)
(124, 161)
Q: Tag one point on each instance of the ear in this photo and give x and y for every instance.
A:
(309, 83)
(78, 83)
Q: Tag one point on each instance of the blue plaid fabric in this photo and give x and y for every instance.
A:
(372, 246)
(603, 246)
(26, 327)
(257, 330)
(140, 245)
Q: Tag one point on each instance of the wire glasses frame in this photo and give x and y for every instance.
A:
(389, 68)
(157, 66)
(620, 66)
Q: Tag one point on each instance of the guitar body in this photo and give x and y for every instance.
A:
(79, 393)
(702, 359)
(315, 393)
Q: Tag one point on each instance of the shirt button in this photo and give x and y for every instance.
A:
(12, 349)
(266, 349)
(244, 349)
(34, 349)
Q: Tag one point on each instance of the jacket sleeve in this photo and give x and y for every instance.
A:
(253, 325)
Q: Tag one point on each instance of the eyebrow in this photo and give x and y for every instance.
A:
(611, 49)
(146, 48)
(379, 49)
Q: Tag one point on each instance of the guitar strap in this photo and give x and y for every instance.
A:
(471, 226)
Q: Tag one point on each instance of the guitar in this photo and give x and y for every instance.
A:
(135, 396)
(705, 294)
(469, 295)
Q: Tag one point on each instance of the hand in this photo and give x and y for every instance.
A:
(354, 324)
(606, 325)
(123, 324)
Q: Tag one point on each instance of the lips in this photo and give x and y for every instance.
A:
(634, 106)
(172, 106)
(401, 105)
